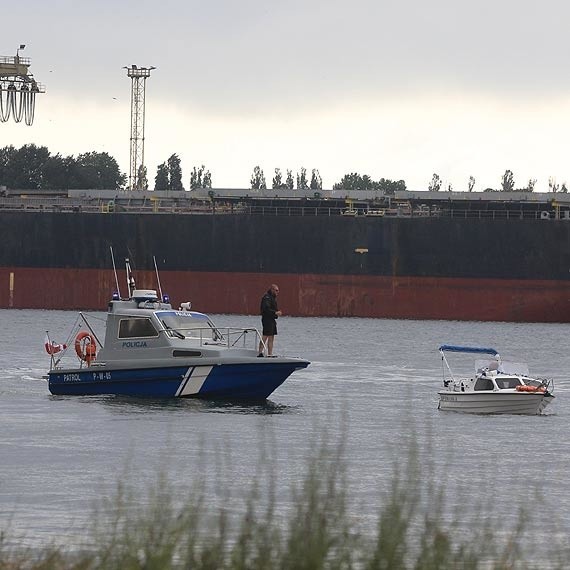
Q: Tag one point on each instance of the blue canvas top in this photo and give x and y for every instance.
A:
(471, 349)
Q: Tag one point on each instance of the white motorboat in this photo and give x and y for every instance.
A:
(497, 387)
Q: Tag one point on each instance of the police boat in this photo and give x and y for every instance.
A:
(153, 350)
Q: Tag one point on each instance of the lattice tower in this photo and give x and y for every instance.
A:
(138, 77)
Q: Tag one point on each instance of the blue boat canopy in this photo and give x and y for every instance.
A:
(470, 349)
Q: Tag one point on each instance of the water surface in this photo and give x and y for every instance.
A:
(372, 383)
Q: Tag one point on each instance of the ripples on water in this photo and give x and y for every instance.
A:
(372, 382)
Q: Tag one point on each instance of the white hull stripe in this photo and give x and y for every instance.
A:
(193, 380)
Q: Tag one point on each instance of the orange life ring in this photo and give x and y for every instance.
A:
(85, 347)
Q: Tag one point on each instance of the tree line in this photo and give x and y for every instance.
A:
(507, 184)
(31, 167)
(34, 167)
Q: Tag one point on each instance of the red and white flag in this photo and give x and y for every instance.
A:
(53, 347)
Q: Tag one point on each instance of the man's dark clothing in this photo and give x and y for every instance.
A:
(269, 316)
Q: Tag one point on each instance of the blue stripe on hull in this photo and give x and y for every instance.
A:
(229, 381)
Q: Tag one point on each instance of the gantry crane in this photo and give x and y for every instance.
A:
(18, 89)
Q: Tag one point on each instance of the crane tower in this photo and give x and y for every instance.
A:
(138, 77)
(18, 89)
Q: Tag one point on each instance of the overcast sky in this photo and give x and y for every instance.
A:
(395, 89)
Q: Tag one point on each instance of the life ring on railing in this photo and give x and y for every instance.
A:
(85, 347)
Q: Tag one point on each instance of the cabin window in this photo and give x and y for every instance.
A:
(504, 383)
(136, 328)
(189, 327)
(483, 384)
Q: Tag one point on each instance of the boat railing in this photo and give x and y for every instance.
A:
(231, 337)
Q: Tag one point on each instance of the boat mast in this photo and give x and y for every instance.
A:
(115, 272)
(157, 277)
(131, 286)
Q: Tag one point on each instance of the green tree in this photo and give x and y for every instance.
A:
(7, 155)
(531, 184)
(24, 166)
(258, 179)
(277, 181)
(200, 178)
(390, 187)
(355, 181)
(32, 167)
(302, 179)
(508, 181)
(161, 178)
(289, 180)
(60, 173)
(142, 180)
(552, 185)
(316, 180)
(196, 178)
(99, 171)
(207, 179)
(435, 184)
(174, 173)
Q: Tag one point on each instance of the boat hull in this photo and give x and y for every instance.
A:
(243, 381)
(494, 402)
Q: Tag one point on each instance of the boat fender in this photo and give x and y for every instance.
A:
(85, 347)
(530, 389)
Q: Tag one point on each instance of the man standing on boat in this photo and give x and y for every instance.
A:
(269, 314)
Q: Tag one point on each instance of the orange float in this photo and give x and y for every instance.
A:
(85, 347)
(530, 389)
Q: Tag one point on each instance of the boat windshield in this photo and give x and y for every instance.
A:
(518, 368)
(504, 366)
(189, 326)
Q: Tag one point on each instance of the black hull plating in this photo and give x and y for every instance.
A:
(397, 247)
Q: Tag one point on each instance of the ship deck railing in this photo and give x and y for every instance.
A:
(187, 207)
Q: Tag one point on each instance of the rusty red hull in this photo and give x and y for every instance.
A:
(301, 295)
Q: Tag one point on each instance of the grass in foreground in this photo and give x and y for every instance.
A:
(319, 531)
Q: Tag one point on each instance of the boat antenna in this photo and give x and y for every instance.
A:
(131, 286)
(157, 277)
(115, 271)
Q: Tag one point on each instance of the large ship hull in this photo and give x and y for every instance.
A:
(334, 266)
